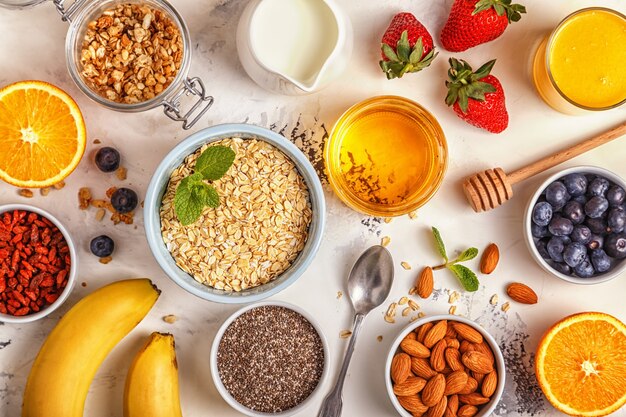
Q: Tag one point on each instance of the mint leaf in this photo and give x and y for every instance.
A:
(208, 194)
(466, 276)
(192, 195)
(440, 246)
(214, 162)
(467, 254)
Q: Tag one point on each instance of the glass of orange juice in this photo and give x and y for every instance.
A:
(581, 65)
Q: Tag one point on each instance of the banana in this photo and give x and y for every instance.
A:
(69, 358)
(152, 381)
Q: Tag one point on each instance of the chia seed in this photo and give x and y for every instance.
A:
(270, 359)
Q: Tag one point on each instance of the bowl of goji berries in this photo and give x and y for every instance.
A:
(37, 263)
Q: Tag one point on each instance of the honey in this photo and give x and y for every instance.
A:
(386, 156)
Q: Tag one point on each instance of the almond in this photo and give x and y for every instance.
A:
(478, 377)
(438, 409)
(425, 283)
(411, 336)
(490, 259)
(449, 413)
(411, 386)
(473, 399)
(521, 293)
(468, 332)
(423, 329)
(452, 342)
(453, 403)
(470, 387)
(436, 333)
(400, 368)
(466, 346)
(421, 367)
(433, 391)
(453, 359)
(484, 348)
(413, 404)
(489, 384)
(414, 348)
(455, 382)
(477, 362)
(446, 371)
(437, 358)
(450, 332)
(467, 411)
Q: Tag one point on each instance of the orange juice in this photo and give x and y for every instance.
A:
(582, 65)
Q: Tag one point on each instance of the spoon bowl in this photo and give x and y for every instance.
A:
(370, 279)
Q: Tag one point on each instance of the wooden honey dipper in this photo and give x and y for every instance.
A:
(491, 188)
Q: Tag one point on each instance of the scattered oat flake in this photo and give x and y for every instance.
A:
(380, 338)
(506, 306)
(403, 301)
(391, 310)
(84, 198)
(121, 173)
(59, 185)
(97, 141)
(110, 191)
(454, 296)
(406, 311)
(344, 334)
(421, 314)
(413, 215)
(405, 265)
(25, 193)
(170, 318)
(413, 305)
(385, 241)
(413, 291)
(388, 220)
(389, 319)
(339, 295)
(106, 260)
(494, 300)
(44, 191)
(412, 319)
(452, 310)
(100, 214)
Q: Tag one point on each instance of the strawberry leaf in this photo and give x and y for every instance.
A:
(403, 48)
(418, 51)
(390, 53)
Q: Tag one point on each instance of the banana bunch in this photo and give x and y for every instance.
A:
(152, 380)
(69, 358)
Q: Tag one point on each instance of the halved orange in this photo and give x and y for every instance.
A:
(581, 364)
(42, 134)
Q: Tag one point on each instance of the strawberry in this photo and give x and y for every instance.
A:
(406, 46)
(472, 22)
(477, 97)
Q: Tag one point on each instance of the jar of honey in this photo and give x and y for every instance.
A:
(386, 156)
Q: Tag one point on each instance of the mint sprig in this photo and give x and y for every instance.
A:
(466, 276)
(194, 193)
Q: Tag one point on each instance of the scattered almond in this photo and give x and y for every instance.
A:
(521, 293)
(425, 283)
(490, 259)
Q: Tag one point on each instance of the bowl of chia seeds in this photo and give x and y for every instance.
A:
(269, 359)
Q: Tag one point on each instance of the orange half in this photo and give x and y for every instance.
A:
(581, 364)
(42, 134)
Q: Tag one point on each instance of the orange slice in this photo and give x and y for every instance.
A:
(42, 134)
(581, 364)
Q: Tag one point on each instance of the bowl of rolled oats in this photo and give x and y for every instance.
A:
(262, 234)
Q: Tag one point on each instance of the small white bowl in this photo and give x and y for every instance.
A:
(216, 375)
(8, 318)
(485, 409)
(528, 237)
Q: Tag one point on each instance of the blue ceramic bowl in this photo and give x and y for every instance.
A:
(157, 187)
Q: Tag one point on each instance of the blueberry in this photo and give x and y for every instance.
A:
(596, 242)
(582, 199)
(585, 269)
(539, 231)
(615, 245)
(600, 260)
(555, 248)
(107, 159)
(598, 187)
(576, 184)
(597, 226)
(581, 234)
(616, 195)
(596, 207)
(561, 267)
(124, 200)
(616, 220)
(574, 211)
(102, 246)
(574, 254)
(557, 195)
(542, 213)
(560, 226)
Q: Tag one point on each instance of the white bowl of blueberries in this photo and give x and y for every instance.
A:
(575, 225)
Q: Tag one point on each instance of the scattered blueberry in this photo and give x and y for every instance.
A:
(581, 234)
(596, 242)
(542, 213)
(555, 247)
(616, 220)
(539, 231)
(561, 267)
(107, 159)
(576, 184)
(102, 246)
(600, 260)
(598, 187)
(585, 269)
(596, 207)
(124, 200)
(616, 195)
(557, 195)
(574, 254)
(560, 226)
(574, 211)
(615, 245)
(541, 248)
(597, 226)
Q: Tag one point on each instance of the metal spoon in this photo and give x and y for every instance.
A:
(368, 287)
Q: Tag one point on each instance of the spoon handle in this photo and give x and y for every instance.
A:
(333, 403)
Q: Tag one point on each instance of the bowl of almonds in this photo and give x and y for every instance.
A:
(444, 366)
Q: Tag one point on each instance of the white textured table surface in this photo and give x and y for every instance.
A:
(32, 47)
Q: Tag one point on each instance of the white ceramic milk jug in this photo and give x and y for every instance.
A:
(294, 46)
